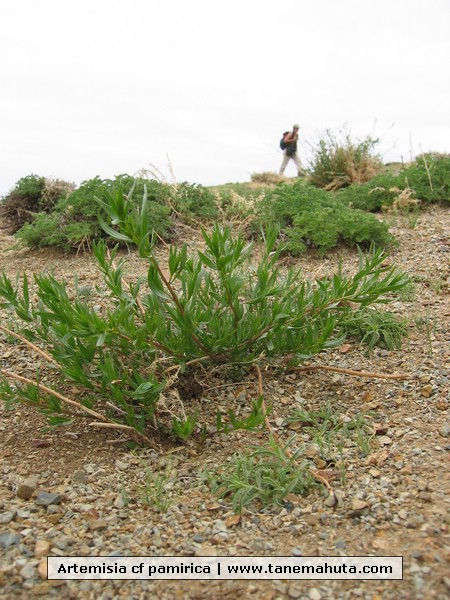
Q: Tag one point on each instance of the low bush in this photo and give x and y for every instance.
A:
(311, 216)
(69, 220)
(217, 306)
(376, 328)
(21, 203)
(338, 160)
(427, 180)
(73, 222)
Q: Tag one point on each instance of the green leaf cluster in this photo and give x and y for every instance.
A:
(263, 477)
(72, 221)
(312, 216)
(428, 178)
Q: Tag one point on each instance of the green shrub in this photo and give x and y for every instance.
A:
(73, 223)
(376, 328)
(214, 307)
(312, 216)
(338, 161)
(427, 179)
(194, 201)
(380, 191)
(263, 477)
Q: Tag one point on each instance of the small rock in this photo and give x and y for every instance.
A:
(122, 465)
(358, 508)
(28, 571)
(42, 569)
(79, 476)
(97, 524)
(42, 548)
(426, 390)
(314, 594)
(55, 518)
(27, 488)
(445, 430)
(294, 591)
(384, 440)
(330, 500)
(312, 451)
(41, 589)
(119, 502)
(9, 538)
(47, 498)
(425, 496)
(6, 517)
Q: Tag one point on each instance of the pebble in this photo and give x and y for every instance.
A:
(27, 488)
(80, 476)
(445, 430)
(47, 498)
(9, 538)
(6, 517)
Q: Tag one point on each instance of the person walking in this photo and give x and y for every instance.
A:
(290, 139)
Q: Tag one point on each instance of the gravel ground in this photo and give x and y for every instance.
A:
(79, 492)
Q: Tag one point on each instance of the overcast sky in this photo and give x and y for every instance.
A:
(103, 87)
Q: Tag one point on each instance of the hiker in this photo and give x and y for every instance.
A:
(289, 145)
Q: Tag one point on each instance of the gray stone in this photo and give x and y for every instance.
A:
(28, 571)
(79, 476)
(445, 430)
(9, 538)
(6, 517)
(47, 498)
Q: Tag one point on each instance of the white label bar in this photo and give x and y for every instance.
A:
(225, 567)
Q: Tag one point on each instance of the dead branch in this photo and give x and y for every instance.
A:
(47, 357)
(348, 372)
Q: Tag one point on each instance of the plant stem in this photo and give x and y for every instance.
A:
(348, 372)
(105, 420)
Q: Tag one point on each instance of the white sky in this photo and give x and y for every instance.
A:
(103, 87)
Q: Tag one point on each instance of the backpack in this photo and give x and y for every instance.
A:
(283, 144)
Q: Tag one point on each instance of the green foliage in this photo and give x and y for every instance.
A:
(315, 217)
(255, 419)
(428, 180)
(265, 477)
(31, 187)
(376, 328)
(73, 223)
(380, 191)
(216, 306)
(338, 161)
(429, 177)
(184, 427)
(154, 492)
(335, 436)
(194, 201)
